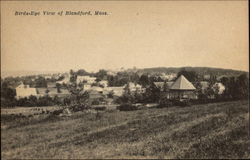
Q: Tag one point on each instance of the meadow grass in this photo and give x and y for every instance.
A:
(218, 130)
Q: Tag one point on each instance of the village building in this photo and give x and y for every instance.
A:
(95, 95)
(182, 89)
(51, 85)
(168, 77)
(85, 79)
(25, 91)
(163, 86)
(87, 86)
(103, 83)
(96, 88)
(47, 76)
(134, 87)
(112, 73)
(52, 92)
(204, 86)
(220, 87)
(66, 80)
(206, 76)
(118, 91)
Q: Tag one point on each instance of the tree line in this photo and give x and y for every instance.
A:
(235, 88)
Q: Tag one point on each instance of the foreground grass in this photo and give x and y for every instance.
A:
(218, 130)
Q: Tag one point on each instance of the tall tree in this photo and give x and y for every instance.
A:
(144, 80)
(190, 75)
(101, 74)
(82, 72)
(152, 94)
(78, 99)
(40, 82)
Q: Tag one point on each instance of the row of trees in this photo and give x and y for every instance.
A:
(151, 95)
(29, 80)
(33, 101)
(236, 87)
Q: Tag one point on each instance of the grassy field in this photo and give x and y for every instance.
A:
(218, 130)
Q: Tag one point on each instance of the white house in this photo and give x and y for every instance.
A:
(220, 86)
(25, 91)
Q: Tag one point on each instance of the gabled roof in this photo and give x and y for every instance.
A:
(159, 84)
(182, 84)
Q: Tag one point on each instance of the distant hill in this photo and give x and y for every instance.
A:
(155, 70)
(199, 70)
(26, 73)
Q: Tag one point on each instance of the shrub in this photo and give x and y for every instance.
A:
(164, 102)
(57, 112)
(100, 108)
(127, 107)
(7, 102)
(182, 103)
(95, 102)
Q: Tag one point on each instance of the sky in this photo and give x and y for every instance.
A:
(141, 34)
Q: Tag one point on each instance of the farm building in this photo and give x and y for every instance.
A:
(182, 88)
(25, 91)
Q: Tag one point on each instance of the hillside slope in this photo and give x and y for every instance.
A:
(218, 130)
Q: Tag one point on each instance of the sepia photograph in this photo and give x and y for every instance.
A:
(104, 79)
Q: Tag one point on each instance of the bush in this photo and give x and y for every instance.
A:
(182, 103)
(57, 112)
(164, 102)
(7, 102)
(127, 107)
(100, 108)
(95, 102)
(78, 107)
